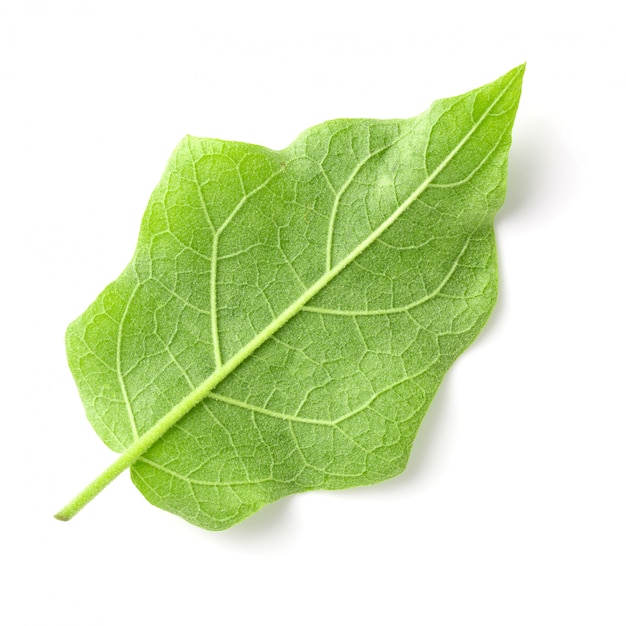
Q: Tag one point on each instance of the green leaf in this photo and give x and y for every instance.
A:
(288, 315)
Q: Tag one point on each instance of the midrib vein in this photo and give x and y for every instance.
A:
(152, 435)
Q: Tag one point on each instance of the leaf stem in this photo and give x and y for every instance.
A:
(151, 436)
(139, 447)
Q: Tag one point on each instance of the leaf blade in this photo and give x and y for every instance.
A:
(260, 286)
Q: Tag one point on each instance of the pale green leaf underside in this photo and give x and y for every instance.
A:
(338, 279)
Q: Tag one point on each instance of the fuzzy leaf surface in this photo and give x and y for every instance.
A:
(324, 289)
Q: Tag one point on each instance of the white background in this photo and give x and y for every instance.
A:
(512, 510)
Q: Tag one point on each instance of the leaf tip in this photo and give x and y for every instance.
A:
(517, 72)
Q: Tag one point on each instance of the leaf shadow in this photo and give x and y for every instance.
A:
(270, 524)
(540, 162)
(524, 175)
(428, 435)
(420, 464)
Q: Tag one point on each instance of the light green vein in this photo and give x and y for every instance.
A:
(129, 408)
(258, 409)
(205, 483)
(333, 214)
(399, 309)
